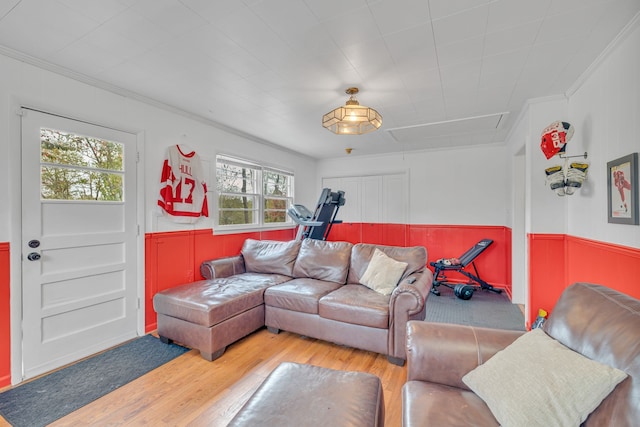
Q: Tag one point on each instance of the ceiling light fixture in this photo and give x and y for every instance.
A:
(352, 118)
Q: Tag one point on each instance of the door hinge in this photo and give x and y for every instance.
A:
(139, 304)
(138, 229)
(137, 157)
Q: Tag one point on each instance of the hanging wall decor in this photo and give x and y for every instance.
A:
(622, 190)
(564, 179)
(183, 190)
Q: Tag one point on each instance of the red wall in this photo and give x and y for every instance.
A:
(557, 260)
(5, 317)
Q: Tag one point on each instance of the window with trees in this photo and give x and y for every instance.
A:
(78, 167)
(250, 194)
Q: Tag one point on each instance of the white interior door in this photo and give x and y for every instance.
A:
(79, 233)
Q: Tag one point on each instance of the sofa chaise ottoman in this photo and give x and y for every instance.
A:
(208, 315)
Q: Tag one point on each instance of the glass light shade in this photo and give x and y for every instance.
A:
(352, 118)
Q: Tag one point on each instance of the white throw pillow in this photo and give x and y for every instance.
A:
(537, 381)
(383, 273)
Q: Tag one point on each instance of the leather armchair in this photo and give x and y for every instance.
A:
(597, 322)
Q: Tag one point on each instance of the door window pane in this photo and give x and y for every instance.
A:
(80, 184)
(78, 167)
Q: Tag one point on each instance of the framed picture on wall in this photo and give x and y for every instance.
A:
(622, 189)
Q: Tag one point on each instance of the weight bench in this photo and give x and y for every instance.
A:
(461, 290)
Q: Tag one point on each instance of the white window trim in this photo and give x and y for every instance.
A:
(260, 169)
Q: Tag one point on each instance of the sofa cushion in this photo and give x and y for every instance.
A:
(383, 273)
(356, 304)
(536, 381)
(361, 254)
(322, 260)
(266, 256)
(209, 302)
(299, 294)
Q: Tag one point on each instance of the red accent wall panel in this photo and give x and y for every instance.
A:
(206, 247)
(547, 277)
(150, 287)
(556, 261)
(168, 263)
(346, 232)
(5, 316)
(447, 241)
(383, 234)
(417, 235)
(394, 234)
(209, 246)
(614, 266)
(281, 235)
(371, 233)
(232, 243)
(174, 257)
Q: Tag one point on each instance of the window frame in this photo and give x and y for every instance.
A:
(259, 194)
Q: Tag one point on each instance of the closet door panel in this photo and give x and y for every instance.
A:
(395, 199)
(372, 199)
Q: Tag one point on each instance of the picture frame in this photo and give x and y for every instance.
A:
(622, 190)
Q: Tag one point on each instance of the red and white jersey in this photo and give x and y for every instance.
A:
(183, 190)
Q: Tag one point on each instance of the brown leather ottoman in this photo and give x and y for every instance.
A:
(305, 395)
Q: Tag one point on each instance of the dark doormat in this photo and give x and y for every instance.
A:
(485, 309)
(46, 399)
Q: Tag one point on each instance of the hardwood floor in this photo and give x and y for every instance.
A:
(189, 391)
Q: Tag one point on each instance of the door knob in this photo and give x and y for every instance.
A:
(34, 243)
(33, 256)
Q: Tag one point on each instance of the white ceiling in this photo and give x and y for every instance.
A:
(272, 68)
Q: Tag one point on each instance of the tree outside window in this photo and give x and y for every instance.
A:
(277, 196)
(78, 167)
(249, 194)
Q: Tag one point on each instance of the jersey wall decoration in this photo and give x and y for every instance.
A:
(183, 190)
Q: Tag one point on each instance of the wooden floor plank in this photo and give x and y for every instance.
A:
(189, 391)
